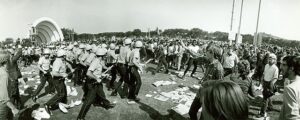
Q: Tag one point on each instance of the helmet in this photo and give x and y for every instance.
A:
(103, 45)
(112, 46)
(101, 51)
(94, 49)
(138, 44)
(75, 43)
(88, 47)
(70, 47)
(81, 46)
(46, 51)
(61, 52)
(127, 41)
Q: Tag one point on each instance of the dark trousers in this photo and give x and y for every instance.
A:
(45, 78)
(94, 91)
(162, 61)
(190, 62)
(113, 72)
(122, 69)
(228, 71)
(268, 92)
(61, 95)
(135, 82)
(14, 92)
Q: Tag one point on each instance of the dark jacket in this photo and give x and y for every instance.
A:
(12, 66)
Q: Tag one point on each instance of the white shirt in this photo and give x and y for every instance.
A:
(270, 72)
(44, 63)
(229, 61)
(290, 109)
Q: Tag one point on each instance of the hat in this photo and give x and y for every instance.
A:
(138, 44)
(4, 56)
(101, 51)
(272, 55)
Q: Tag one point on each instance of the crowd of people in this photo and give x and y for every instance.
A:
(89, 63)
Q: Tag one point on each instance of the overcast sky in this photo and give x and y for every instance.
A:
(278, 17)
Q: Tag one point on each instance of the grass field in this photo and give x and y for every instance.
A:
(148, 108)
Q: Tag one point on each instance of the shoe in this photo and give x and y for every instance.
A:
(34, 98)
(48, 110)
(131, 102)
(113, 94)
(109, 106)
(192, 75)
(137, 99)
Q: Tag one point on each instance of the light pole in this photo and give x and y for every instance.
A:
(231, 21)
(239, 30)
(257, 22)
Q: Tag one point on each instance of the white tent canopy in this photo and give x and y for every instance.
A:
(46, 30)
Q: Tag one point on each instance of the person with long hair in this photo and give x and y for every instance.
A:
(224, 100)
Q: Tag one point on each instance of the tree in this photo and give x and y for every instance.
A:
(137, 32)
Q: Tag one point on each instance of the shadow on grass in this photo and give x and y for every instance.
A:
(154, 114)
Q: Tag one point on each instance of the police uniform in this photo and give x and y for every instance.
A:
(110, 61)
(95, 89)
(135, 78)
(44, 64)
(60, 67)
(122, 69)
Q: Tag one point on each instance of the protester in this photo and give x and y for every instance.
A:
(225, 101)
(5, 100)
(270, 77)
(290, 66)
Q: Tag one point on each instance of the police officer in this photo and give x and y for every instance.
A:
(95, 87)
(110, 61)
(122, 66)
(59, 73)
(44, 67)
(134, 68)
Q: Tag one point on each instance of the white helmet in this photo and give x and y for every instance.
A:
(138, 44)
(101, 51)
(94, 49)
(46, 51)
(61, 53)
(88, 47)
(127, 41)
(81, 46)
(103, 45)
(70, 47)
(112, 46)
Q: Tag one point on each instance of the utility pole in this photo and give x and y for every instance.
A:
(257, 22)
(241, 14)
(231, 21)
(232, 13)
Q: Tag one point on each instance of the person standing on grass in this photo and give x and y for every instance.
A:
(44, 67)
(111, 61)
(229, 62)
(290, 67)
(59, 73)
(135, 67)
(95, 85)
(270, 77)
(122, 66)
(14, 75)
(5, 101)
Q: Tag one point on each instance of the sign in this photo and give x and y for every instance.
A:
(239, 39)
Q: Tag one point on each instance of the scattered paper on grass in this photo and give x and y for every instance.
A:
(63, 107)
(161, 98)
(40, 114)
(163, 83)
(181, 109)
(148, 95)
